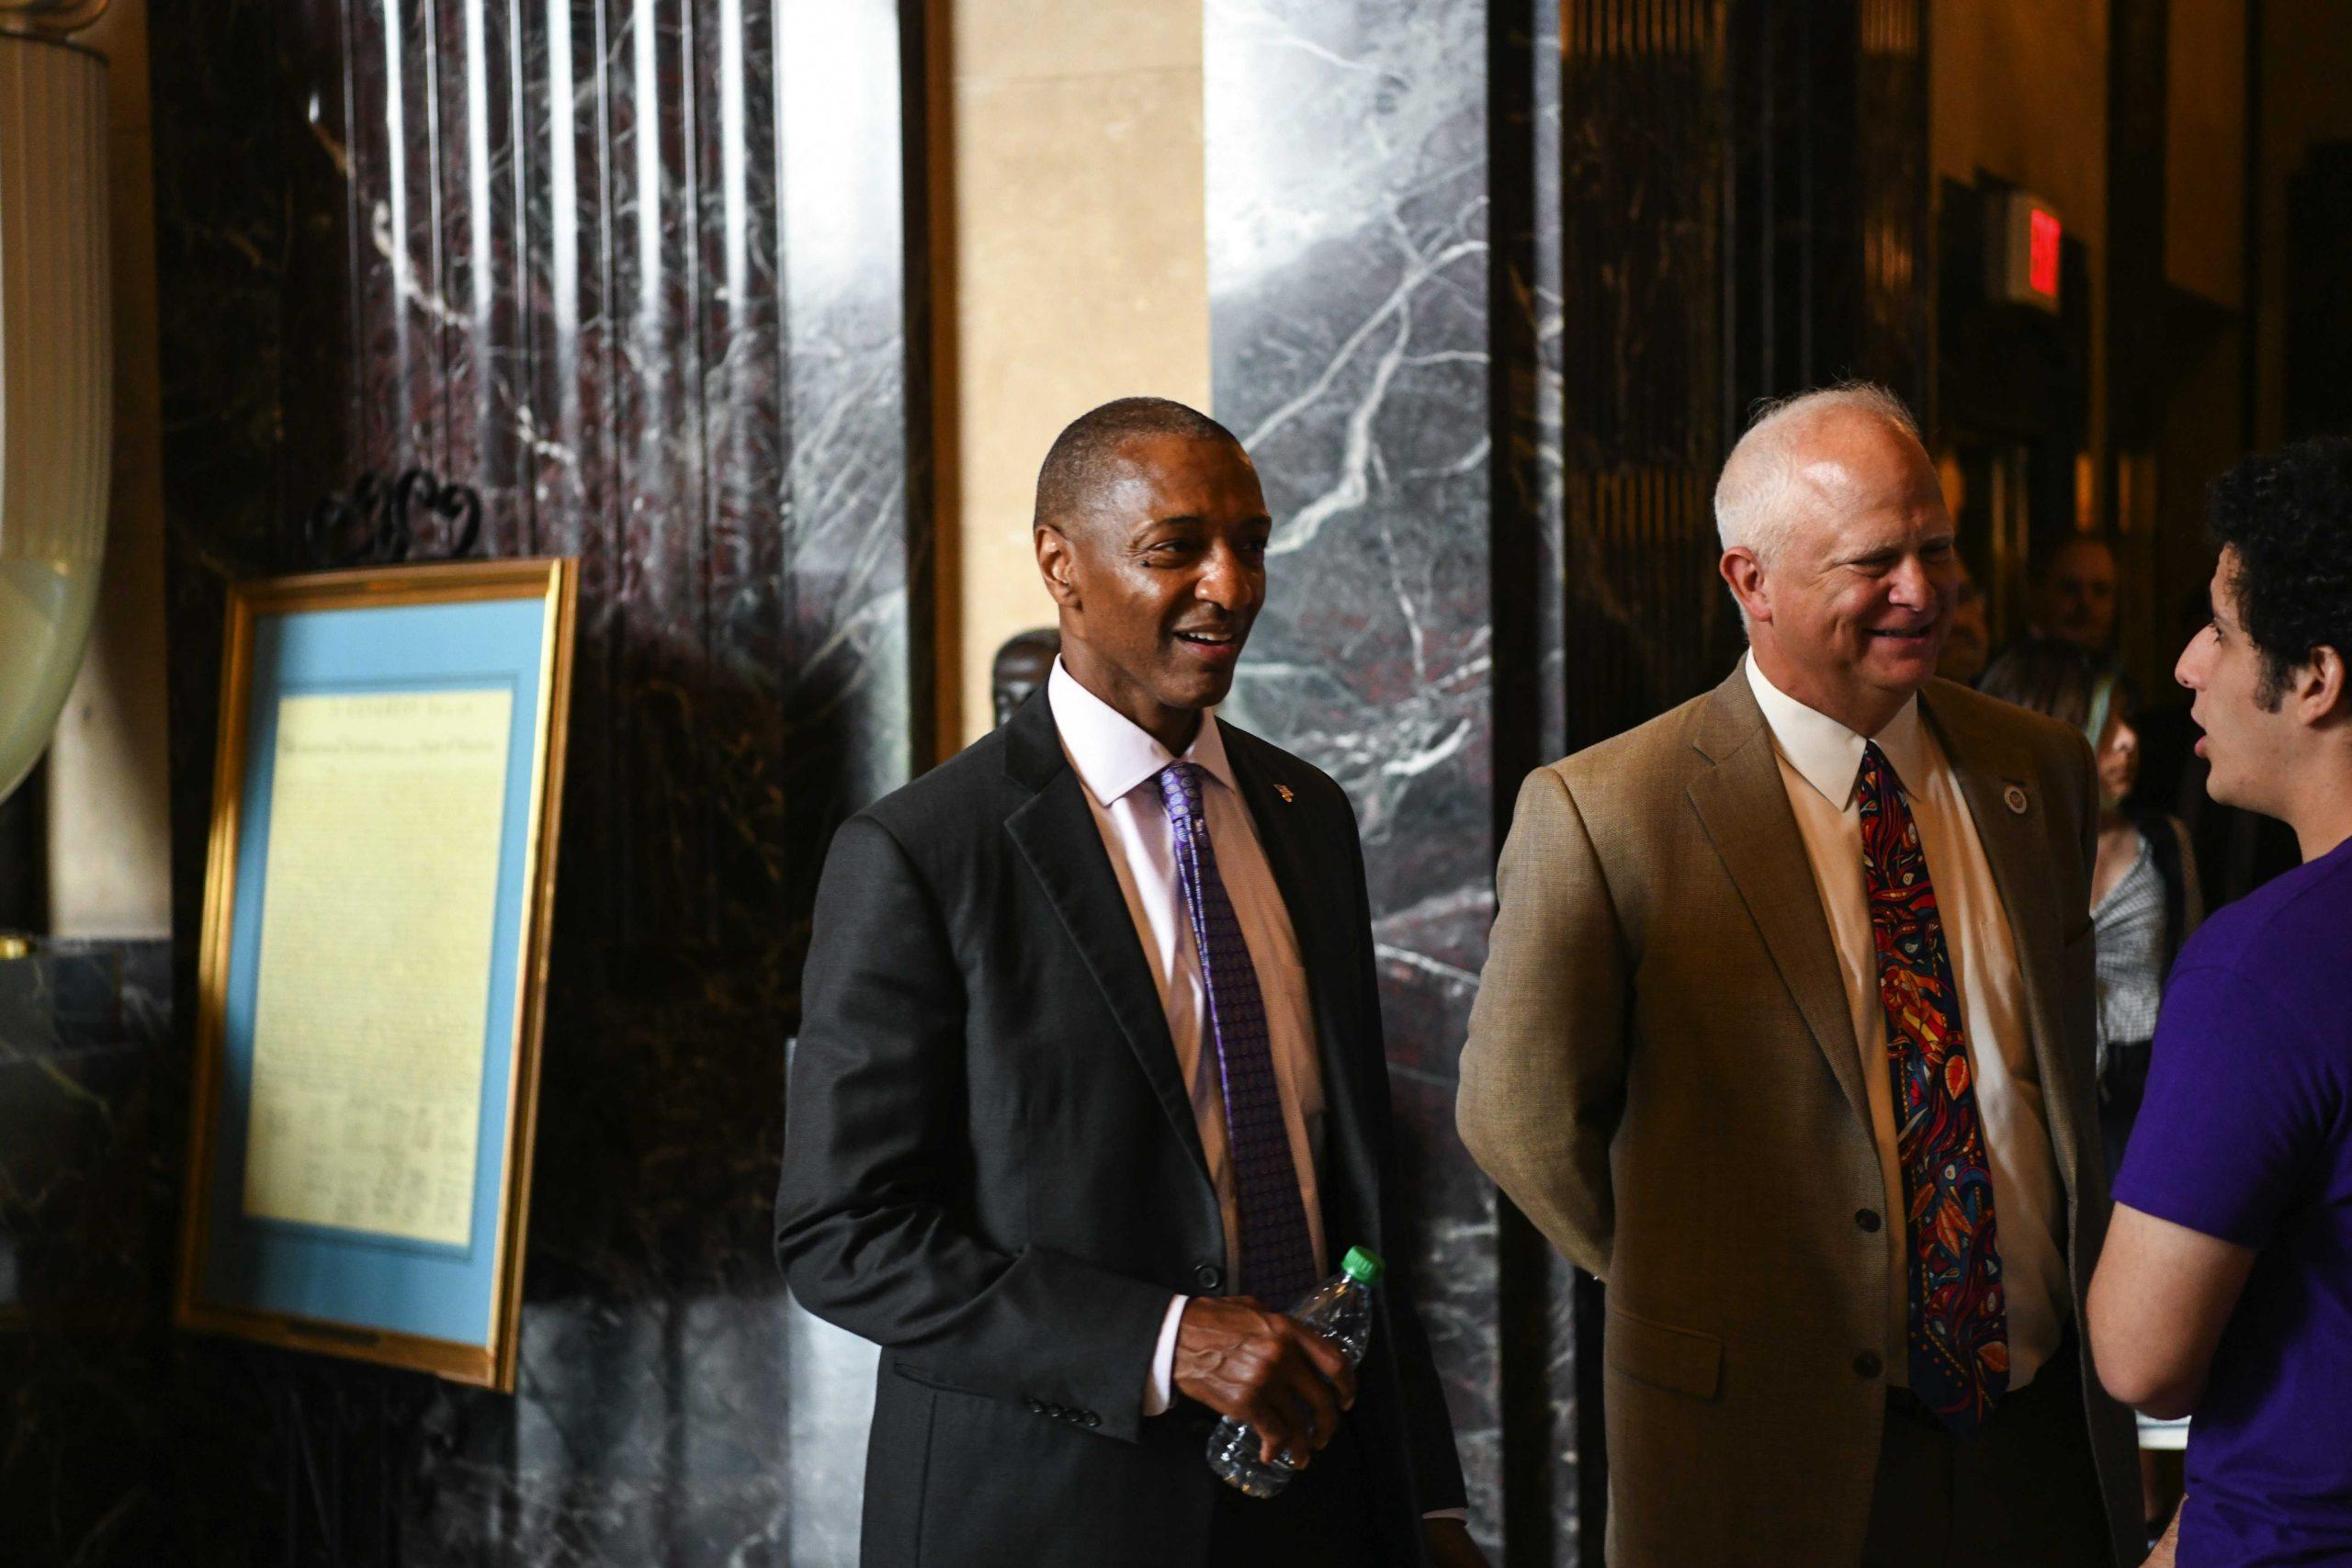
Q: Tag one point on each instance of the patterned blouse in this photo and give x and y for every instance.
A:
(2129, 924)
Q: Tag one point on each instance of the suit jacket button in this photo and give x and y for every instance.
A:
(1092, 1419)
(1033, 1408)
(1055, 1411)
(1208, 1276)
(1867, 1365)
(1867, 1219)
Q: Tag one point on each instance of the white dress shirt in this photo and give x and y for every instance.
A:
(1820, 759)
(1119, 765)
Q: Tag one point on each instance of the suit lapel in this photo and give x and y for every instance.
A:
(1993, 774)
(1055, 833)
(1744, 806)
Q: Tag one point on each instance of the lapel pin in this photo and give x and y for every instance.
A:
(2016, 799)
(1283, 790)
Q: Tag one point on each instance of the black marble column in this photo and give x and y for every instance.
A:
(640, 272)
(1351, 339)
(1543, 1466)
(86, 1229)
(856, 660)
(1493, 285)
(1744, 211)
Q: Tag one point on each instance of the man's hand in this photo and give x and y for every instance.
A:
(1284, 1382)
(1448, 1545)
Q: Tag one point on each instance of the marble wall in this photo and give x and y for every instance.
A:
(642, 273)
(85, 1233)
(1490, 283)
(1350, 337)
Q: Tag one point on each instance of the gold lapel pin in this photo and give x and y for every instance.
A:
(2016, 799)
(1283, 790)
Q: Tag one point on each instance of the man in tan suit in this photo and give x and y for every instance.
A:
(1786, 1033)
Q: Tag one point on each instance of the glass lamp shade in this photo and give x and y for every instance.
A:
(56, 380)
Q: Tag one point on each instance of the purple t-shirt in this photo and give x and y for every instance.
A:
(2246, 1136)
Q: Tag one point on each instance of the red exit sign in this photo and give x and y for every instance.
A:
(2042, 235)
(2024, 246)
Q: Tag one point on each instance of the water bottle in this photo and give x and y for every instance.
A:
(1340, 1309)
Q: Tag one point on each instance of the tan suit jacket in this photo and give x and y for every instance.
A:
(1662, 1074)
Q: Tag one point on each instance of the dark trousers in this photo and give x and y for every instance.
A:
(1323, 1517)
(2020, 1491)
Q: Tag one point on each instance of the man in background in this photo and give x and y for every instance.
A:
(2226, 1289)
(1786, 1033)
(1968, 640)
(2074, 596)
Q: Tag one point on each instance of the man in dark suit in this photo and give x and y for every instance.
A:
(1090, 1037)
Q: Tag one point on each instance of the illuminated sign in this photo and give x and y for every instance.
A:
(2024, 250)
(2042, 255)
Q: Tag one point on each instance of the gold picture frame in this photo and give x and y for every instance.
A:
(325, 1286)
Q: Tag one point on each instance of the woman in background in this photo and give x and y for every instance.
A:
(2145, 897)
(2143, 905)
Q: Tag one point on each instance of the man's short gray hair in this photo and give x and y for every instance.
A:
(1751, 494)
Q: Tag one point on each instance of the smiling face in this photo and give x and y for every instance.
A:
(1159, 580)
(1849, 614)
(2248, 740)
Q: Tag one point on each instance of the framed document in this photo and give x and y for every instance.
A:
(373, 961)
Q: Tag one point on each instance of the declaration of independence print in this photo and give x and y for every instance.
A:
(370, 1016)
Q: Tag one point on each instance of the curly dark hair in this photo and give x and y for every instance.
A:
(2289, 516)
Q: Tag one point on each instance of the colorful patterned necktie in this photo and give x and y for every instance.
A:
(1957, 1327)
(1277, 1256)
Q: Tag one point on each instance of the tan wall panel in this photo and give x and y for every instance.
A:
(1079, 274)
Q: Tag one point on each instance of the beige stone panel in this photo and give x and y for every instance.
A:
(1081, 276)
(1003, 39)
(109, 802)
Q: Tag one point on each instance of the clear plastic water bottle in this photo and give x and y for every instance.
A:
(1340, 1309)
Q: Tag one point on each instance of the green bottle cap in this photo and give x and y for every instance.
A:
(1363, 1264)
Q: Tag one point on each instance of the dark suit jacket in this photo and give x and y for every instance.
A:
(991, 1167)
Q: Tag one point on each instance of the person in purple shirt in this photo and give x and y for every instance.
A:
(2226, 1290)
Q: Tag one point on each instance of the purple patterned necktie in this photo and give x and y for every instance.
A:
(1277, 1256)
(1958, 1327)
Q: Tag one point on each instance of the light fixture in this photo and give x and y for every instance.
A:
(56, 364)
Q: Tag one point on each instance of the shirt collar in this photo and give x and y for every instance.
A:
(1827, 754)
(1112, 753)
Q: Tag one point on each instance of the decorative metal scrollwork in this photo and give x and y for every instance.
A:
(371, 523)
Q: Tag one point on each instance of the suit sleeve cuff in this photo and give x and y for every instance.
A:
(1159, 1389)
(1459, 1515)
